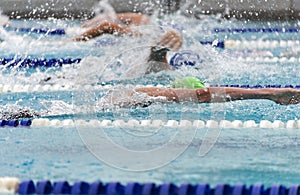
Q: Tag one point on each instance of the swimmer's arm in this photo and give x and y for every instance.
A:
(224, 94)
(282, 96)
(105, 28)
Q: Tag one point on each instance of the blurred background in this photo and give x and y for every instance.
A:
(76, 9)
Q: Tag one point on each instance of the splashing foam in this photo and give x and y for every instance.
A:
(3, 19)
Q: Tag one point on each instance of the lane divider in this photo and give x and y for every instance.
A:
(257, 86)
(132, 123)
(15, 123)
(256, 30)
(33, 63)
(236, 124)
(270, 59)
(36, 62)
(252, 44)
(55, 62)
(49, 31)
(6, 88)
(16, 186)
(46, 31)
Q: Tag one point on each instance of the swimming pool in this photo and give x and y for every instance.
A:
(242, 152)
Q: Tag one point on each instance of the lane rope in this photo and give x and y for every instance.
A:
(256, 30)
(50, 31)
(46, 31)
(16, 186)
(252, 44)
(133, 123)
(269, 59)
(37, 62)
(57, 62)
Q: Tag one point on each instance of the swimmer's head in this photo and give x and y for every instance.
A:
(104, 7)
(188, 83)
(158, 54)
(185, 58)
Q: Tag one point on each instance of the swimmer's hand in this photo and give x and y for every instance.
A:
(171, 40)
(285, 96)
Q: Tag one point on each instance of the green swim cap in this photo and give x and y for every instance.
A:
(188, 83)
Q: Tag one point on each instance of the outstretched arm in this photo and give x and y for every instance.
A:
(224, 94)
(105, 24)
(104, 28)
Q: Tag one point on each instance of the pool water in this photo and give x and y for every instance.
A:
(59, 154)
(247, 155)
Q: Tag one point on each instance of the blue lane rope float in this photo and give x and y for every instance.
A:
(61, 187)
(16, 123)
(36, 62)
(43, 187)
(135, 188)
(27, 187)
(219, 44)
(256, 30)
(80, 187)
(257, 86)
(46, 31)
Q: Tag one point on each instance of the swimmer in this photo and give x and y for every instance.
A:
(117, 24)
(283, 96)
(157, 60)
(191, 89)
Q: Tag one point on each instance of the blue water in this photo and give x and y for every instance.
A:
(240, 155)
(245, 155)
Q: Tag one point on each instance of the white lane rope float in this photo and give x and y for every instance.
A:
(260, 44)
(133, 123)
(269, 59)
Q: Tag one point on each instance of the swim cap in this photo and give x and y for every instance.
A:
(188, 83)
(186, 58)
